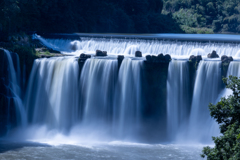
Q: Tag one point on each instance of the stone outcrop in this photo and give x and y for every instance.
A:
(101, 53)
(138, 54)
(213, 55)
(195, 59)
(159, 58)
(226, 59)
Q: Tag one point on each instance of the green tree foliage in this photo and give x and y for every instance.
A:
(218, 15)
(227, 114)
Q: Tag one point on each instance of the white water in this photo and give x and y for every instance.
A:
(129, 46)
(52, 96)
(98, 83)
(15, 89)
(178, 97)
(105, 104)
(101, 101)
(127, 107)
(234, 70)
(206, 90)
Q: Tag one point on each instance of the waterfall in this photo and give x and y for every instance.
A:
(52, 95)
(178, 97)
(103, 99)
(129, 46)
(12, 92)
(128, 100)
(98, 82)
(206, 90)
(234, 70)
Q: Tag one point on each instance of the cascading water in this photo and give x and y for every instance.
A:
(52, 96)
(178, 97)
(234, 70)
(129, 46)
(206, 90)
(98, 82)
(127, 108)
(107, 101)
(13, 92)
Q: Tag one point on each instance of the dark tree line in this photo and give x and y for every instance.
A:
(121, 16)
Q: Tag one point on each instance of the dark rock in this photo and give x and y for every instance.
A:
(167, 58)
(138, 54)
(149, 58)
(195, 59)
(199, 58)
(120, 57)
(82, 55)
(226, 59)
(104, 53)
(161, 58)
(85, 56)
(213, 55)
(101, 53)
(154, 59)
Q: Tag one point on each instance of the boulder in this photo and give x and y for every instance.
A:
(199, 58)
(101, 53)
(104, 53)
(230, 58)
(213, 55)
(195, 59)
(120, 57)
(149, 58)
(167, 58)
(226, 59)
(161, 58)
(138, 54)
(154, 59)
(85, 56)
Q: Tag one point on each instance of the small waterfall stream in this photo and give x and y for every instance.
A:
(206, 90)
(178, 97)
(12, 92)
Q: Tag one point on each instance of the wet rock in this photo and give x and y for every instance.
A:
(199, 58)
(167, 58)
(226, 59)
(149, 58)
(154, 59)
(161, 58)
(104, 53)
(213, 55)
(101, 53)
(120, 57)
(85, 56)
(230, 58)
(138, 54)
(195, 59)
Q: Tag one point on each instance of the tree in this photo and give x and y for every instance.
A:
(227, 114)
